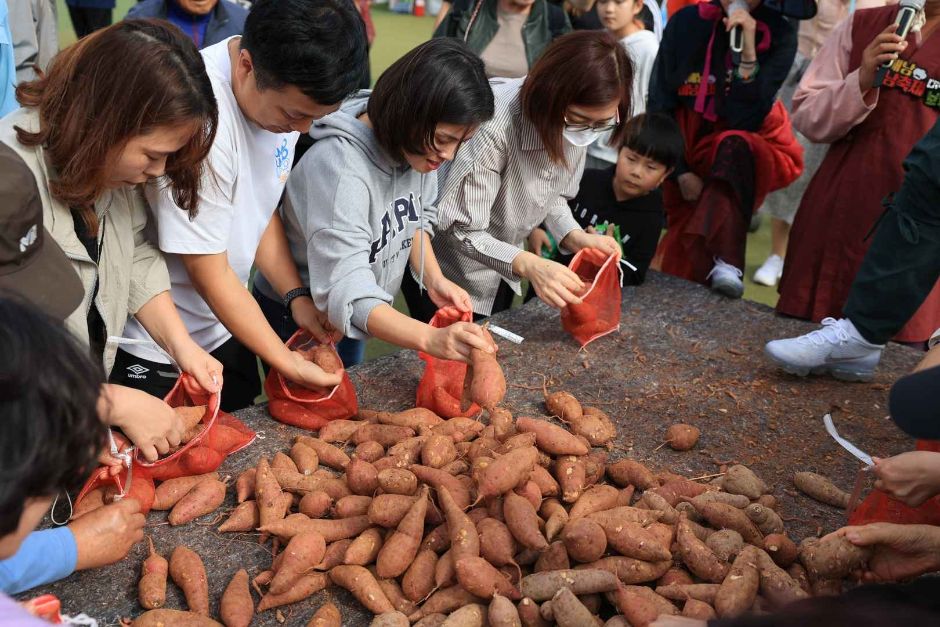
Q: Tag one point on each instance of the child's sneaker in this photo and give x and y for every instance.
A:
(769, 273)
(837, 349)
(726, 279)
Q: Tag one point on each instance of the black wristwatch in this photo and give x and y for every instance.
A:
(295, 293)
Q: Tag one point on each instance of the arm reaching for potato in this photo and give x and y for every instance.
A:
(898, 551)
(912, 477)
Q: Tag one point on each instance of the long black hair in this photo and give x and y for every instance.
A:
(441, 80)
(50, 433)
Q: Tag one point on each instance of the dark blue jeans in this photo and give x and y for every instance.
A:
(350, 351)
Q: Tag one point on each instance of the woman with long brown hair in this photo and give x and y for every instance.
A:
(519, 171)
(125, 105)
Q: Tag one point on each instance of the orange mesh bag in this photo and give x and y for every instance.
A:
(879, 507)
(599, 312)
(441, 388)
(303, 407)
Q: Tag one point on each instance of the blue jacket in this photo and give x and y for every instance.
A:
(227, 19)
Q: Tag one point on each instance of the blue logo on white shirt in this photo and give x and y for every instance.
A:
(282, 161)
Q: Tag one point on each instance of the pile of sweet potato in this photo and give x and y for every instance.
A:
(511, 521)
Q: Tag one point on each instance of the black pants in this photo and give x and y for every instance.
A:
(240, 386)
(421, 307)
(86, 21)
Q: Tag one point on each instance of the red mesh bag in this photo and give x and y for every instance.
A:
(441, 388)
(879, 507)
(302, 407)
(222, 435)
(599, 313)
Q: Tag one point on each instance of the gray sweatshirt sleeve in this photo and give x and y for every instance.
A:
(429, 203)
(335, 203)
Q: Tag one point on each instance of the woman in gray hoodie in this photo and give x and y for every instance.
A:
(359, 206)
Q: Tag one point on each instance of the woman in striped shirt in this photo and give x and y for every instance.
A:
(520, 170)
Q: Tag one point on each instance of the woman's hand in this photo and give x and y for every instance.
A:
(105, 535)
(308, 374)
(308, 317)
(578, 239)
(446, 293)
(744, 19)
(883, 48)
(205, 369)
(538, 239)
(690, 186)
(899, 551)
(457, 340)
(554, 283)
(147, 421)
(911, 477)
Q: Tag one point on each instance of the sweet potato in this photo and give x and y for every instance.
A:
(446, 404)
(564, 405)
(767, 500)
(190, 416)
(507, 471)
(369, 451)
(151, 591)
(327, 454)
(398, 481)
(387, 510)
(697, 557)
(243, 518)
(523, 522)
(741, 480)
(572, 477)
(584, 540)
(438, 451)
(550, 438)
(656, 502)
(317, 504)
(544, 480)
(739, 589)
(781, 549)
(386, 435)
(396, 597)
(418, 581)
(820, 489)
(456, 467)
(400, 549)
(431, 620)
(726, 544)
(675, 576)
(414, 418)
(390, 619)
(339, 431)
(334, 555)
(89, 503)
(480, 578)
(177, 618)
(472, 615)
(735, 500)
(766, 519)
(777, 586)
(633, 540)
(445, 573)
(267, 493)
(440, 480)
(700, 610)
(237, 607)
(723, 516)
(631, 472)
(557, 519)
(682, 437)
(302, 554)
(327, 616)
(488, 384)
(497, 545)
(503, 613)
(204, 497)
(568, 611)
(459, 429)
(701, 591)
(306, 461)
(595, 499)
(362, 584)
(543, 586)
(331, 530)
(168, 493)
(641, 606)
(502, 422)
(832, 557)
(302, 588)
(629, 570)
(464, 541)
(555, 558)
(362, 477)
(189, 573)
(245, 485)
(437, 540)
(529, 614)
(594, 425)
(282, 461)
(624, 513)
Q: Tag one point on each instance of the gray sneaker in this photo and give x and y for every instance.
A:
(726, 279)
(837, 349)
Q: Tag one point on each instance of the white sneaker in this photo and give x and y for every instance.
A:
(837, 349)
(726, 279)
(769, 273)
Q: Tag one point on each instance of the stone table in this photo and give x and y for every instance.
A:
(682, 354)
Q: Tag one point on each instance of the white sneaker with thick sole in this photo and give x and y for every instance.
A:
(770, 272)
(837, 349)
(726, 279)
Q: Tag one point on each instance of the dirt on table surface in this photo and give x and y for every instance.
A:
(682, 354)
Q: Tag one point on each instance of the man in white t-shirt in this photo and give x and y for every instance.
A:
(296, 61)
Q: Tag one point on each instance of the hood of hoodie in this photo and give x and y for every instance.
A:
(345, 123)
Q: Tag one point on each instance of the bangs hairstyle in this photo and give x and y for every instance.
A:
(50, 433)
(318, 46)
(441, 80)
(655, 136)
(587, 68)
(120, 82)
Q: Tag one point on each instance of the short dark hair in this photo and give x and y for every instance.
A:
(319, 46)
(50, 433)
(656, 136)
(588, 68)
(441, 80)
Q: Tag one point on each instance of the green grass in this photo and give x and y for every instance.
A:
(396, 34)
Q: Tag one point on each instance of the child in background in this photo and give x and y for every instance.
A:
(624, 200)
(622, 19)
